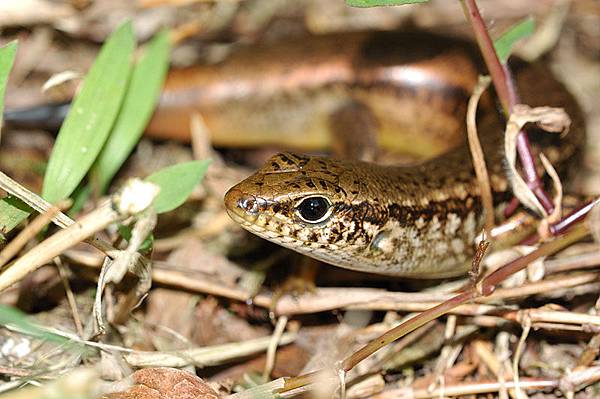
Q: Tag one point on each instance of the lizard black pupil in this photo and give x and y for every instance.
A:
(313, 209)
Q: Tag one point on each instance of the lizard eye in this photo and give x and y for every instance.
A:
(314, 209)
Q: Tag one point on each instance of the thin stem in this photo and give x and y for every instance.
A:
(576, 216)
(486, 46)
(523, 146)
(488, 284)
(508, 96)
(565, 223)
(404, 328)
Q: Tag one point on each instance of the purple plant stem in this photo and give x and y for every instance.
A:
(524, 148)
(508, 96)
(565, 223)
(572, 218)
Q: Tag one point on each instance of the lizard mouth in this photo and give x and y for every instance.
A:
(249, 212)
(265, 227)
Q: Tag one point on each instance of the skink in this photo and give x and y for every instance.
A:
(418, 221)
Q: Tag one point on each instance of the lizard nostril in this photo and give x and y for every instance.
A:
(237, 201)
(248, 204)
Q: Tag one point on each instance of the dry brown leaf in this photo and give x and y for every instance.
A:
(554, 120)
(164, 383)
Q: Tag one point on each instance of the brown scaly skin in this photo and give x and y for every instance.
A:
(283, 94)
(418, 221)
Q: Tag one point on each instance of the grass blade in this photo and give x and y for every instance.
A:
(11, 209)
(142, 95)
(92, 115)
(13, 317)
(7, 58)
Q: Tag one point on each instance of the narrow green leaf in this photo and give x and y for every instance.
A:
(516, 32)
(12, 316)
(12, 212)
(7, 58)
(379, 3)
(142, 95)
(92, 114)
(176, 183)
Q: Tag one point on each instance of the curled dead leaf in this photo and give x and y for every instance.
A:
(553, 120)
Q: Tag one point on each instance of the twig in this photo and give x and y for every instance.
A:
(582, 260)
(579, 379)
(486, 46)
(324, 299)
(70, 297)
(54, 245)
(517, 356)
(477, 153)
(533, 316)
(120, 207)
(483, 351)
(489, 284)
(465, 389)
(17, 243)
(271, 350)
(205, 356)
(33, 200)
(41, 205)
(574, 217)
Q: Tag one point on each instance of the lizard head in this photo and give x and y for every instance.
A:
(302, 203)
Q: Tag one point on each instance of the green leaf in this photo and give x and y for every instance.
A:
(11, 209)
(176, 183)
(7, 58)
(379, 3)
(516, 32)
(92, 114)
(142, 95)
(12, 212)
(12, 316)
